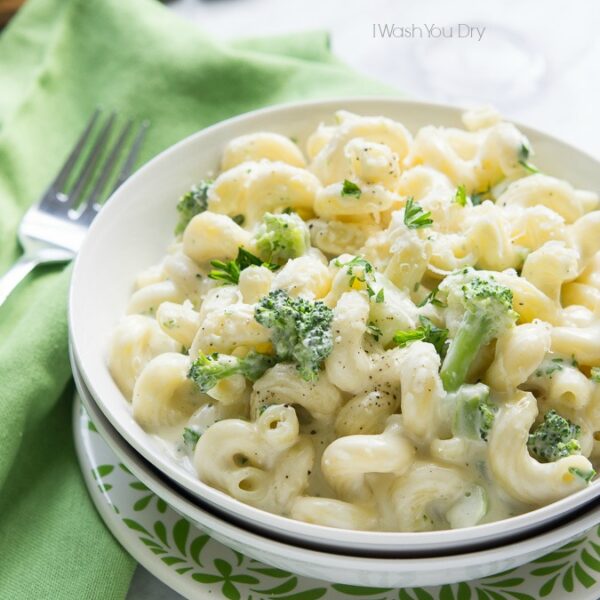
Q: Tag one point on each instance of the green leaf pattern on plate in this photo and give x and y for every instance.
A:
(565, 573)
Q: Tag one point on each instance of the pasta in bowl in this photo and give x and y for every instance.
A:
(378, 331)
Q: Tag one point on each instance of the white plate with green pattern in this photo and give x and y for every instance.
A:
(197, 566)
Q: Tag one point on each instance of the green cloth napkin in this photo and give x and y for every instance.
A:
(59, 59)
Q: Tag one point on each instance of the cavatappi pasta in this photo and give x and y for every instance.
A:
(379, 331)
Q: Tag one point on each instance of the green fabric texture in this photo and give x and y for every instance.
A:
(59, 59)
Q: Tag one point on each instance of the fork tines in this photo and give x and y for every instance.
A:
(103, 157)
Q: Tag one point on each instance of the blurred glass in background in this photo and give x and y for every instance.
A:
(537, 62)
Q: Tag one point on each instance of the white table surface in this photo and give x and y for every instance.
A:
(538, 62)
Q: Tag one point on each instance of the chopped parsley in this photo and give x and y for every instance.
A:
(523, 160)
(548, 368)
(595, 374)
(190, 437)
(461, 195)
(479, 197)
(362, 279)
(351, 189)
(415, 217)
(229, 272)
(406, 336)
(373, 330)
(431, 298)
(239, 219)
(427, 331)
(587, 476)
(552, 369)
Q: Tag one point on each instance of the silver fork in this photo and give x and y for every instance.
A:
(52, 230)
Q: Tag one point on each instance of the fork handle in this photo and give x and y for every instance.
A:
(11, 279)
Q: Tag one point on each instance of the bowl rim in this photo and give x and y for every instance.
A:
(583, 521)
(367, 539)
(180, 499)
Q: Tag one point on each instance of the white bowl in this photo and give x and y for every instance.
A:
(132, 233)
(337, 567)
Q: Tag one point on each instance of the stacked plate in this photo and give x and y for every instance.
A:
(132, 232)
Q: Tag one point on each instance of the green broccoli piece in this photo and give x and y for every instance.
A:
(191, 204)
(487, 310)
(474, 414)
(300, 330)
(281, 237)
(555, 438)
(207, 371)
(254, 364)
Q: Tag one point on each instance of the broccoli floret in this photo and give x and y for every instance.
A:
(191, 204)
(254, 365)
(281, 237)
(474, 414)
(486, 308)
(555, 438)
(207, 371)
(300, 330)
